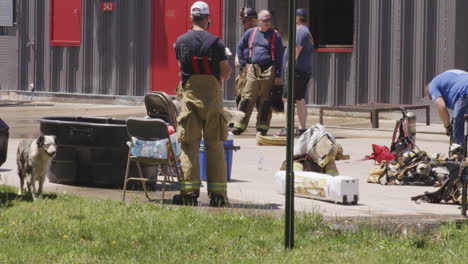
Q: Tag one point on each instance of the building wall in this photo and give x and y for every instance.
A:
(399, 46)
(113, 58)
(5, 58)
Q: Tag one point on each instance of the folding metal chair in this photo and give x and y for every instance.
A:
(151, 130)
(160, 105)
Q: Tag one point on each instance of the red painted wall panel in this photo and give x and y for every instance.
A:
(170, 20)
(65, 22)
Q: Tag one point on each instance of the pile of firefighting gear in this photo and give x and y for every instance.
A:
(316, 150)
(451, 186)
(410, 167)
(420, 168)
(405, 164)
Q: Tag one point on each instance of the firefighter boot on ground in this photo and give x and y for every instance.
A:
(217, 200)
(190, 200)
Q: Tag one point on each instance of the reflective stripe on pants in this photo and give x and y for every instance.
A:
(257, 88)
(202, 114)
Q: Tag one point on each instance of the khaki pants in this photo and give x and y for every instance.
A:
(202, 114)
(257, 88)
(240, 82)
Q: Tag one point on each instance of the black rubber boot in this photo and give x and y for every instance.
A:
(236, 131)
(190, 200)
(262, 131)
(218, 200)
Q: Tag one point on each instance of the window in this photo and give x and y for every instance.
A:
(65, 22)
(3, 31)
(332, 24)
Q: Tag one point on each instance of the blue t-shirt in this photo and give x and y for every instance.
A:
(449, 85)
(304, 60)
(261, 49)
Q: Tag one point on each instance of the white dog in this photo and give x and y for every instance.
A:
(33, 160)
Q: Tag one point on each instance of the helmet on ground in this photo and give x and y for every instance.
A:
(399, 146)
(410, 156)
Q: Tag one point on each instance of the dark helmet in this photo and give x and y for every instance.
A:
(247, 12)
(410, 156)
(399, 146)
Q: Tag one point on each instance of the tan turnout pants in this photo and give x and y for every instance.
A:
(202, 114)
(257, 88)
(240, 82)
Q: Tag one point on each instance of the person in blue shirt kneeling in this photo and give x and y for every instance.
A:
(449, 90)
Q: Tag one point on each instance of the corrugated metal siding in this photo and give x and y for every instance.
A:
(114, 57)
(4, 65)
(399, 46)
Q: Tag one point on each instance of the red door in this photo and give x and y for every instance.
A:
(170, 20)
(65, 22)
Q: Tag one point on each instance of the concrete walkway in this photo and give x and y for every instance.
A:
(253, 188)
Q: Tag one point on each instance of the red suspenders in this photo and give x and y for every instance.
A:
(272, 44)
(195, 67)
(205, 65)
(252, 37)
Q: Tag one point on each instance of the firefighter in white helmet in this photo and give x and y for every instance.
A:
(203, 64)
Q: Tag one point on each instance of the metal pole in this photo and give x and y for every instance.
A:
(289, 221)
(463, 179)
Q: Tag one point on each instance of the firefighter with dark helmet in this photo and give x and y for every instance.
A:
(248, 17)
(248, 13)
(203, 64)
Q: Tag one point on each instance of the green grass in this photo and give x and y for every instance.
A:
(73, 229)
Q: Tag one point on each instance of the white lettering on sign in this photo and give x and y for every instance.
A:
(107, 6)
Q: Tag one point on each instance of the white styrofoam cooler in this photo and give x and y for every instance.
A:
(338, 189)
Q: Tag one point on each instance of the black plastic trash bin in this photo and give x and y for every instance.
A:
(90, 151)
(4, 133)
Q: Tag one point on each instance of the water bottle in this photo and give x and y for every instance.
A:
(145, 150)
(136, 149)
(175, 144)
(161, 149)
(260, 158)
